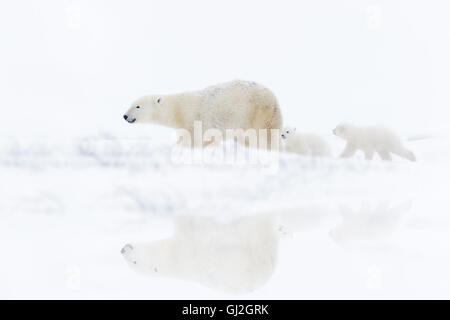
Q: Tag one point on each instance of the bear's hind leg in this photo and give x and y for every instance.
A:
(385, 155)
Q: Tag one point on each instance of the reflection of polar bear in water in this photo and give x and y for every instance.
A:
(239, 256)
(307, 144)
(370, 140)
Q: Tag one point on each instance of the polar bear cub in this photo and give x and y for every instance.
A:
(307, 144)
(370, 140)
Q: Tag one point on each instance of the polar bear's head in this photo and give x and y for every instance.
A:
(287, 131)
(144, 109)
(343, 130)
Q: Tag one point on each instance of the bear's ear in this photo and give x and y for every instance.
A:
(294, 130)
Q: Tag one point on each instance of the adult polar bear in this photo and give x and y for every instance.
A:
(237, 105)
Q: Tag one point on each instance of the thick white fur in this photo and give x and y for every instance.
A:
(233, 105)
(238, 256)
(307, 144)
(370, 140)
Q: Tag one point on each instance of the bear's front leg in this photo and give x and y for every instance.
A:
(348, 152)
(185, 138)
(368, 154)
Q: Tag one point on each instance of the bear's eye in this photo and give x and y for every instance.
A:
(137, 107)
(287, 131)
(159, 100)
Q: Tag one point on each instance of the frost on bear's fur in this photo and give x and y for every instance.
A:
(238, 256)
(370, 140)
(233, 105)
(306, 144)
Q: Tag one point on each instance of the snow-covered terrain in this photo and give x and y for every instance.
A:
(78, 183)
(344, 228)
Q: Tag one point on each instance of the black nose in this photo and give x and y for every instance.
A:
(125, 117)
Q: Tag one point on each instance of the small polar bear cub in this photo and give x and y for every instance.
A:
(306, 144)
(370, 140)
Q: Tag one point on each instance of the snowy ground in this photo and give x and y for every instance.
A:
(306, 228)
(71, 198)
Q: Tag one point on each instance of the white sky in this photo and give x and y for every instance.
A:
(72, 67)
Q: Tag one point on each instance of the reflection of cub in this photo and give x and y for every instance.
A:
(238, 256)
(369, 224)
